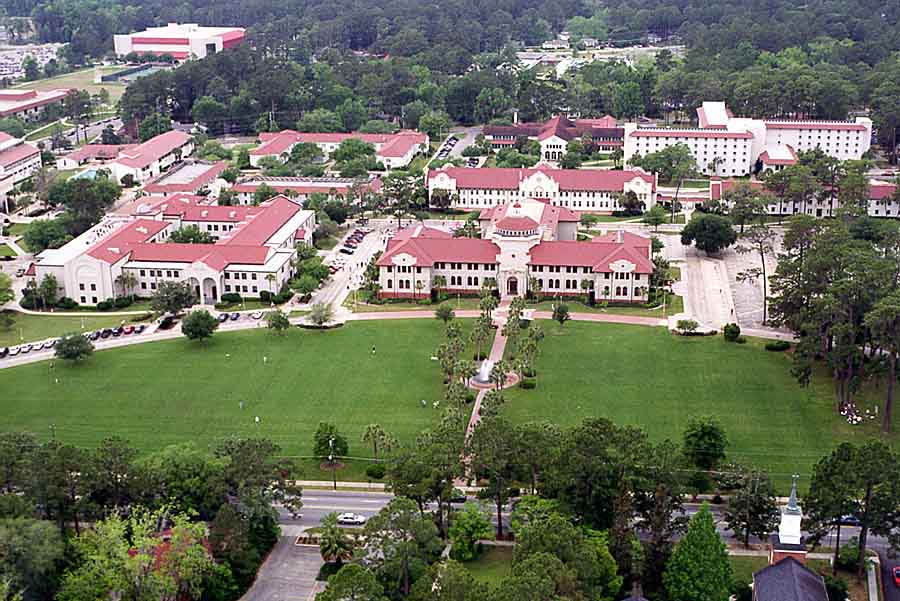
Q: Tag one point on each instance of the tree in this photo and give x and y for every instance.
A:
(704, 442)
(699, 569)
(752, 508)
(277, 321)
(31, 553)
(6, 289)
(263, 193)
(444, 312)
(709, 233)
(334, 545)
(352, 583)
(73, 347)
(48, 290)
(744, 204)
(109, 474)
(401, 543)
(13, 127)
(353, 148)
(186, 477)
(154, 125)
(674, 164)
(435, 123)
(469, 526)
(320, 121)
(761, 240)
(448, 581)
(655, 217)
(191, 234)
(320, 314)
(199, 325)
(884, 323)
(126, 558)
(375, 435)
(491, 449)
(561, 313)
(127, 280)
(86, 200)
(172, 297)
(328, 443)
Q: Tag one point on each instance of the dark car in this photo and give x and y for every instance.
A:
(94, 335)
(235, 316)
(222, 317)
(458, 496)
(4, 352)
(105, 333)
(848, 520)
(140, 328)
(346, 251)
(117, 332)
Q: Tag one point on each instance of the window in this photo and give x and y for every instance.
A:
(83, 300)
(142, 272)
(175, 273)
(390, 284)
(93, 287)
(254, 289)
(94, 300)
(81, 286)
(252, 276)
(152, 285)
(143, 285)
(227, 287)
(244, 277)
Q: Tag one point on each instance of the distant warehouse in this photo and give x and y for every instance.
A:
(181, 41)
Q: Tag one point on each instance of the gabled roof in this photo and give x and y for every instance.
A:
(388, 145)
(114, 248)
(596, 255)
(788, 580)
(516, 224)
(216, 256)
(263, 225)
(14, 154)
(428, 251)
(98, 151)
(421, 231)
(562, 127)
(153, 149)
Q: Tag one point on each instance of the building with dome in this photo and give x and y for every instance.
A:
(523, 243)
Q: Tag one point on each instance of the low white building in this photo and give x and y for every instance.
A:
(587, 190)
(189, 177)
(394, 151)
(300, 188)
(18, 160)
(180, 41)
(29, 105)
(146, 161)
(725, 145)
(526, 243)
(253, 251)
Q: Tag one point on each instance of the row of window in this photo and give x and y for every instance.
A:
(242, 275)
(228, 288)
(158, 273)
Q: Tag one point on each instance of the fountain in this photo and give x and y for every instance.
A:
(484, 372)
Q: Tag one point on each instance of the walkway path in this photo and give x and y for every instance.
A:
(497, 350)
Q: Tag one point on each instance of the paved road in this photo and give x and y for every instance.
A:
(350, 276)
(288, 574)
(468, 138)
(891, 590)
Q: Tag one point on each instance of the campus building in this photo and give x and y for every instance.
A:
(556, 133)
(189, 177)
(29, 105)
(146, 161)
(589, 191)
(96, 154)
(394, 151)
(884, 200)
(180, 41)
(252, 252)
(300, 188)
(524, 243)
(18, 160)
(726, 145)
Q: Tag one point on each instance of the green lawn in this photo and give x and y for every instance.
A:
(15, 229)
(462, 304)
(6, 251)
(647, 377)
(172, 391)
(81, 80)
(28, 328)
(676, 305)
(326, 243)
(493, 565)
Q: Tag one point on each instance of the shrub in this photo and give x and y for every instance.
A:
(741, 340)
(528, 383)
(732, 332)
(27, 302)
(66, 303)
(282, 297)
(231, 297)
(106, 305)
(265, 296)
(778, 345)
(835, 588)
(717, 500)
(123, 301)
(849, 554)
(687, 327)
(375, 471)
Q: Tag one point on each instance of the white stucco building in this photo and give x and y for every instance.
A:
(590, 191)
(394, 151)
(300, 188)
(29, 105)
(725, 145)
(18, 160)
(252, 251)
(148, 160)
(523, 242)
(181, 41)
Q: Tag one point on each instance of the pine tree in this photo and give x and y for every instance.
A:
(699, 569)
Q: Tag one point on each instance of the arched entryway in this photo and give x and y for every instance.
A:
(195, 286)
(210, 291)
(512, 286)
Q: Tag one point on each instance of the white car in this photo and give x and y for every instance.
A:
(256, 315)
(351, 519)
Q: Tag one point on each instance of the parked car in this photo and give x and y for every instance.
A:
(351, 519)
(20, 272)
(4, 352)
(346, 251)
(222, 317)
(105, 333)
(256, 315)
(896, 572)
(235, 316)
(14, 351)
(25, 348)
(848, 520)
(140, 328)
(94, 335)
(127, 330)
(117, 331)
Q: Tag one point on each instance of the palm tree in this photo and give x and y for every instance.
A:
(271, 279)
(127, 281)
(334, 545)
(439, 282)
(498, 374)
(374, 434)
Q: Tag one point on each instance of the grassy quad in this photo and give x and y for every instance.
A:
(29, 327)
(6, 251)
(649, 378)
(81, 80)
(167, 392)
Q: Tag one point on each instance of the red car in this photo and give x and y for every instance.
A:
(897, 575)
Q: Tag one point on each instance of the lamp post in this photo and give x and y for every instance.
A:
(331, 462)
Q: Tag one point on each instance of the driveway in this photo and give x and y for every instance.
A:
(468, 135)
(288, 574)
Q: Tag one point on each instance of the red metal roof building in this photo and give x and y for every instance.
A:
(18, 160)
(180, 41)
(301, 188)
(522, 243)
(148, 160)
(556, 132)
(392, 150)
(29, 105)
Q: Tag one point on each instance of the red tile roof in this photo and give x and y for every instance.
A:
(551, 215)
(596, 255)
(153, 149)
(560, 126)
(823, 125)
(428, 251)
(691, 133)
(98, 151)
(568, 179)
(304, 185)
(420, 231)
(881, 191)
(216, 256)
(16, 101)
(117, 246)
(17, 153)
(263, 225)
(516, 224)
(391, 145)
